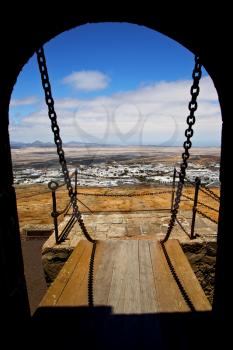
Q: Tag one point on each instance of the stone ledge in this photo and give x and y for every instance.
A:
(202, 258)
(53, 261)
(35, 231)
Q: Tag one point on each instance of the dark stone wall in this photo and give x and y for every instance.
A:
(25, 28)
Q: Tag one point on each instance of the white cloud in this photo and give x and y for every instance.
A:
(154, 114)
(68, 103)
(27, 101)
(87, 80)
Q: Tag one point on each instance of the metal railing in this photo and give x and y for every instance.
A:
(198, 187)
(53, 186)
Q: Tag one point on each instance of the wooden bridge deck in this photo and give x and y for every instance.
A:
(131, 276)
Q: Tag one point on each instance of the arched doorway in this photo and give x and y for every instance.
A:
(23, 43)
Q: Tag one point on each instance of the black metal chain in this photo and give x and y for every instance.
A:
(61, 154)
(90, 285)
(207, 206)
(122, 194)
(194, 91)
(206, 216)
(57, 138)
(210, 192)
(201, 203)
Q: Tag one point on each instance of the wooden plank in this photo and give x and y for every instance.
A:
(187, 276)
(132, 304)
(168, 295)
(76, 291)
(129, 275)
(103, 270)
(116, 292)
(148, 297)
(55, 290)
(124, 294)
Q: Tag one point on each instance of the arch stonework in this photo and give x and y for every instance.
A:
(21, 36)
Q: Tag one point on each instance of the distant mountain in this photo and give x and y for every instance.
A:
(15, 144)
(37, 143)
(81, 144)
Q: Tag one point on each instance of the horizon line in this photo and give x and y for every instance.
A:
(14, 143)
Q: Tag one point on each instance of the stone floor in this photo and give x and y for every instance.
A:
(142, 225)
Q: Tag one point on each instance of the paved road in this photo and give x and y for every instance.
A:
(33, 271)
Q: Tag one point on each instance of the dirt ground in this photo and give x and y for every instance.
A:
(34, 202)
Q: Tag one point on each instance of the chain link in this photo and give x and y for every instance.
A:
(206, 216)
(192, 106)
(122, 194)
(196, 75)
(190, 198)
(57, 138)
(207, 206)
(211, 193)
(201, 203)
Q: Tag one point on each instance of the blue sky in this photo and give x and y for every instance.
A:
(114, 83)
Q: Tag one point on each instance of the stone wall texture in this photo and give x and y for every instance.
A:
(202, 257)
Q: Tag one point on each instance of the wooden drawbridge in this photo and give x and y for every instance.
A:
(130, 276)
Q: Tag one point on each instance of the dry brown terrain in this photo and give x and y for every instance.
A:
(35, 202)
